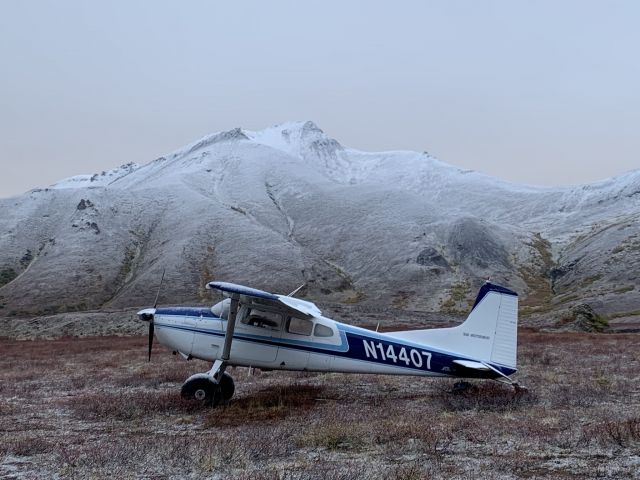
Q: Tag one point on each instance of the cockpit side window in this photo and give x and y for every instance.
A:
(299, 326)
(263, 318)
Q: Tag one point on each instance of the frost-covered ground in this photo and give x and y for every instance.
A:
(290, 205)
(94, 408)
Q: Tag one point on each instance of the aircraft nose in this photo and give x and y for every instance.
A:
(147, 314)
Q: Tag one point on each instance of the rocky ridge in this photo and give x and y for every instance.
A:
(289, 205)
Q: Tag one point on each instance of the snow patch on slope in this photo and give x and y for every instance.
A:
(97, 179)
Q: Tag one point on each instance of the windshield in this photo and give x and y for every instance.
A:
(221, 309)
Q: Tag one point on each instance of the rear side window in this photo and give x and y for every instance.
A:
(322, 331)
(299, 326)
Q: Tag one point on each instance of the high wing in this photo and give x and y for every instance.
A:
(307, 309)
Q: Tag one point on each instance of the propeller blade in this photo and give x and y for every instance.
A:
(155, 304)
(151, 328)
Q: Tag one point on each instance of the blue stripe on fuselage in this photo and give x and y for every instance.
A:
(197, 312)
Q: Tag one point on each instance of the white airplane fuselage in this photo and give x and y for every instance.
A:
(337, 347)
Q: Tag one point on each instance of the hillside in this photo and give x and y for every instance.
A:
(289, 205)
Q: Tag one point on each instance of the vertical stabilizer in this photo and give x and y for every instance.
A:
(489, 334)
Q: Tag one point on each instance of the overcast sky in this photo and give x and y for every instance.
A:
(541, 92)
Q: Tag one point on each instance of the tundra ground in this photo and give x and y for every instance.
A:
(94, 408)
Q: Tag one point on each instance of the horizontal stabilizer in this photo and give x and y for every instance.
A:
(472, 365)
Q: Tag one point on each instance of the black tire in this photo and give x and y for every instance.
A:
(227, 387)
(202, 390)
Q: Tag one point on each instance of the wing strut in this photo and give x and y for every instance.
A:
(231, 325)
(219, 366)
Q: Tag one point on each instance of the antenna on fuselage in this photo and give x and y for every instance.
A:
(296, 290)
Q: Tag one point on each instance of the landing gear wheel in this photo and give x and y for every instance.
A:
(203, 390)
(227, 387)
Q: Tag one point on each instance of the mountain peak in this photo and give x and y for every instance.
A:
(299, 139)
(234, 134)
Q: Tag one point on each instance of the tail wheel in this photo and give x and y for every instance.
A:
(227, 387)
(203, 390)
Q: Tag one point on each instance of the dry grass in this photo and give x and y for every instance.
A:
(271, 403)
(94, 408)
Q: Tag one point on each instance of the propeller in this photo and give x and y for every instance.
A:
(155, 304)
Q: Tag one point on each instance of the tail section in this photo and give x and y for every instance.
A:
(494, 315)
(489, 334)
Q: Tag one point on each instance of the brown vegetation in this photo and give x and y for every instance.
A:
(93, 407)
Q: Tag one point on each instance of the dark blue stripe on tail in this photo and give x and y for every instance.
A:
(490, 287)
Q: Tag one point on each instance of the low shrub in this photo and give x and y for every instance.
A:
(620, 433)
(486, 396)
(130, 405)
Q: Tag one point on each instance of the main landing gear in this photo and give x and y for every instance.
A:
(215, 386)
(209, 388)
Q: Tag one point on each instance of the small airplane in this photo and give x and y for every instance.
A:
(254, 328)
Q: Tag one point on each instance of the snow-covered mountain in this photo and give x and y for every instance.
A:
(289, 205)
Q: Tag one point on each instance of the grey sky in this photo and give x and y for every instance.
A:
(542, 92)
